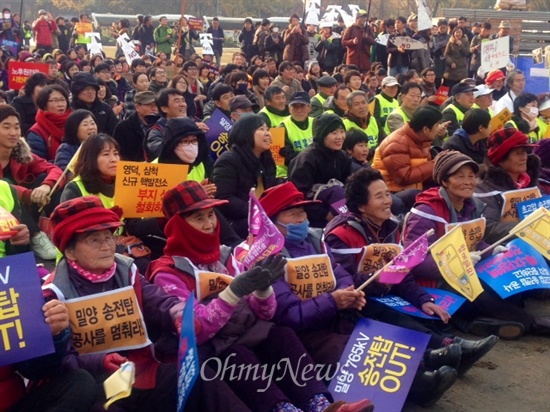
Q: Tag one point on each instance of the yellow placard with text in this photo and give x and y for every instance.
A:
(310, 276)
(377, 255)
(537, 233)
(511, 200)
(547, 134)
(455, 265)
(277, 143)
(500, 119)
(473, 231)
(210, 283)
(139, 187)
(82, 28)
(107, 322)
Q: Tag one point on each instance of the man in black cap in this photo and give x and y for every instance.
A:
(327, 86)
(463, 100)
(84, 89)
(130, 133)
(298, 129)
(238, 106)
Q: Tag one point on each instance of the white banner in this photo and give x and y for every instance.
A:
(409, 43)
(424, 15)
(495, 53)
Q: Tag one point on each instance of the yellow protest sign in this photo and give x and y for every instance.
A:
(547, 134)
(210, 283)
(500, 119)
(310, 276)
(511, 200)
(119, 384)
(82, 28)
(139, 187)
(453, 261)
(72, 162)
(535, 230)
(277, 143)
(107, 322)
(375, 256)
(473, 231)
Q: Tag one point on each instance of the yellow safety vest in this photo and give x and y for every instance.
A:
(386, 107)
(371, 131)
(491, 111)
(320, 97)
(7, 202)
(275, 119)
(403, 115)
(533, 136)
(198, 174)
(108, 202)
(299, 138)
(458, 113)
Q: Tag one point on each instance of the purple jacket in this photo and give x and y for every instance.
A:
(310, 314)
(433, 210)
(342, 235)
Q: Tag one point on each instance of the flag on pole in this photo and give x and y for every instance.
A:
(413, 255)
(72, 163)
(535, 230)
(267, 238)
(455, 265)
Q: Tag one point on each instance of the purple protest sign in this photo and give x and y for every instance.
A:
(447, 300)
(268, 240)
(188, 357)
(23, 332)
(379, 363)
(519, 269)
(411, 256)
(340, 206)
(217, 136)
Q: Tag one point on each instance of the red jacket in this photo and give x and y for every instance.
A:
(25, 167)
(43, 32)
(358, 54)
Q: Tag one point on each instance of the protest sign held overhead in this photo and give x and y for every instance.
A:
(207, 42)
(139, 187)
(217, 136)
(453, 260)
(424, 15)
(312, 11)
(23, 332)
(495, 53)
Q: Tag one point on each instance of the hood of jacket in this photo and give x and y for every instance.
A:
(175, 130)
(324, 125)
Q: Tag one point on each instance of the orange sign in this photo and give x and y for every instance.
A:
(511, 200)
(277, 143)
(7, 221)
(375, 256)
(500, 119)
(310, 276)
(107, 322)
(210, 283)
(473, 231)
(82, 28)
(19, 72)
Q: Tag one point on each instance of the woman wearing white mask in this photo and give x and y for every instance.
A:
(525, 117)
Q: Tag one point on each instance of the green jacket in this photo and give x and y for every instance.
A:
(163, 44)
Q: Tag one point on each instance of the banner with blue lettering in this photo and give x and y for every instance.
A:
(519, 269)
(379, 363)
(529, 206)
(217, 136)
(188, 357)
(447, 300)
(23, 332)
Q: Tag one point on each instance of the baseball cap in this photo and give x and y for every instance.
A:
(299, 98)
(482, 90)
(462, 88)
(390, 81)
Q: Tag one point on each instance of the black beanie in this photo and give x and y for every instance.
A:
(325, 124)
(81, 81)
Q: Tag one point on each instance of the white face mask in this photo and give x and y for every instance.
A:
(187, 153)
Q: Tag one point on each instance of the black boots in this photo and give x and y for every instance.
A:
(449, 355)
(429, 386)
(472, 351)
(504, 329)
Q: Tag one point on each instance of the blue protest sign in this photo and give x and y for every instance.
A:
(12, 46)
(188, 357)
(529, 206)
(447, 300)
(217, 136)
(379, 363)
(519, 269)
(23, 332)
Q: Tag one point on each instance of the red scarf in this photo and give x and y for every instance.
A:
(92, 277)
(182, 239)
(523, 181)
(54, 126)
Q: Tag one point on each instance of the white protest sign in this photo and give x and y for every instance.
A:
(408, 43)
(127, 47)
(353, 8)
(313, 11)
(206, 42)
(331, 13)
(382, 39)
(495, 53)
(94, 46)
(424, 15)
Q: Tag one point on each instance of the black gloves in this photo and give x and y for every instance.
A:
(261, 277)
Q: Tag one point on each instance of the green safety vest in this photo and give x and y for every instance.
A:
(403, 115)
(386, 107)
(491, 111)
(275, 119)
(533, 136)
(371, 131)
(197, 174)
(299, 138)
(108, 202)
(458, 113)
(7, 202)
(320, 97)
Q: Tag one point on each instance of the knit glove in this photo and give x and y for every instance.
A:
(112, 361)
(275, 265)
(249, 281)
(499, 249)
(476, 257)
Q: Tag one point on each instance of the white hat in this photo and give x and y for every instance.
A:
(482, 90)
(390, 81)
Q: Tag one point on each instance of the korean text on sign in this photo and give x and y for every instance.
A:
(139, 187)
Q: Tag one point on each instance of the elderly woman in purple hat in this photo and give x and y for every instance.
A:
(233, 309)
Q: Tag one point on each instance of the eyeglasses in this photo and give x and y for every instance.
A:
(189, 142)
(96, 242)
(57, 101)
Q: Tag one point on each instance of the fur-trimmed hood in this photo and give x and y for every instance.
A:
(22, 152)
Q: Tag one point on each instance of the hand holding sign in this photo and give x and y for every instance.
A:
(8, 224)
(206, 42)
